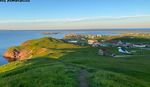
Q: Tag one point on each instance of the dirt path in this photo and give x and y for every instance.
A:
(82, 75)
(82, 78)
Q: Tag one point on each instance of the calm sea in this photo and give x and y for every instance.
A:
(15, 37)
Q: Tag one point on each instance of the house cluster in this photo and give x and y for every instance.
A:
(87, 39)
(78, 36)
(96, 43)
(103, 43)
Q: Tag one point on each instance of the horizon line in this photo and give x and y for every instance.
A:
(80, 29)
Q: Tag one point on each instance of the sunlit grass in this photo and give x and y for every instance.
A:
(60, 65)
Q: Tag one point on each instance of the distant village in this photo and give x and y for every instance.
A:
(97, 40)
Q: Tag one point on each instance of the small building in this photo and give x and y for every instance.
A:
(90, 42)
(70, 41)
(96, 44)
(73, 41)
(139, 45)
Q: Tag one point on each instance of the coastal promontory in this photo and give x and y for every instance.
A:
(37, 48)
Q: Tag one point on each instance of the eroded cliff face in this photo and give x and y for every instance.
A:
(21, 54)
(12, 54)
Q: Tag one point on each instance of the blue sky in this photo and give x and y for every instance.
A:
(72, 14)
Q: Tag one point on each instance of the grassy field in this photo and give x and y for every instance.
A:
(103, 71)
(134, 39)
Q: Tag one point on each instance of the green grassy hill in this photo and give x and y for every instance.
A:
(102, 71)
(49, 47)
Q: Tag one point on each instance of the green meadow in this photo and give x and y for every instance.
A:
(62, 63)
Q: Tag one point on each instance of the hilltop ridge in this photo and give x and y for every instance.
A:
(38, 47)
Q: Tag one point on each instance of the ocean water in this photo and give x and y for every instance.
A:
(15, 37)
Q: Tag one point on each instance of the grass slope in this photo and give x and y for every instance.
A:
(46, 46)
(37, 73)
(103, 71)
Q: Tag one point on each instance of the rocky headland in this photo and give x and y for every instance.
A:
(37, 48)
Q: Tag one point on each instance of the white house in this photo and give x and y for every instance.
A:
(139, 45)
(92, 42)
(72, 41)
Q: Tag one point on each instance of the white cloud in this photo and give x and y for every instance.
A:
(71, 19)
(73, 23)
